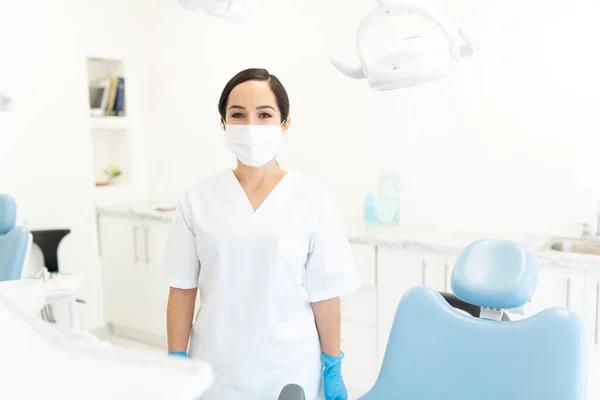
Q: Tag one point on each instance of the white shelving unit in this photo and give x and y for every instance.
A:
(110, 133)
(111, 147)
(109, 123)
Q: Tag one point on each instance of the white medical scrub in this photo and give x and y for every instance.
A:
(257, 273)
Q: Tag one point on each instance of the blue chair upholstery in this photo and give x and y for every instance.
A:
(15, 242)
(436, 352)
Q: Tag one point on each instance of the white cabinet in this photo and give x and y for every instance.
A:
(592, 311)
(360, 366)
(152, 277)
(438, 272)
(359, 331)
(135, 286)
(593, 374)
(558, 286)
(364, 256)
(361, 306)
(592, 327)
(118, 271)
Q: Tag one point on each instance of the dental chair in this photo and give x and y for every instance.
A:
(437, 352)
(15, 242)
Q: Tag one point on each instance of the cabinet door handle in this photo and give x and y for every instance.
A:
(98, 233)
(375, 252)
(598, 313)
(569, 293)
(135, 244)
(146, 244)
(423, 273)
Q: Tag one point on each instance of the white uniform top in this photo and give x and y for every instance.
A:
(257, 273)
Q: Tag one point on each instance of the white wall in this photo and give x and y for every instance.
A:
(45, 140)
(509, 143)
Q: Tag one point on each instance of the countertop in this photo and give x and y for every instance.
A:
(147, 211)
(417, 238)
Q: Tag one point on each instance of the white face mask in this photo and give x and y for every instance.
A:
(253, 145)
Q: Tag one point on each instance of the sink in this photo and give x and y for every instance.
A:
(577, 246)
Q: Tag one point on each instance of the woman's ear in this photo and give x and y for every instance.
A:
(223, 124)
(286, 125)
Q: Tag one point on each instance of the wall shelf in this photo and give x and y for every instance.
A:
(109, 123)
(111, 148)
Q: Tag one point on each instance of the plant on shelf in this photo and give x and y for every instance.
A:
(112, 172)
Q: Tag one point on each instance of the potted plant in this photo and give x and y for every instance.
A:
(112, 172)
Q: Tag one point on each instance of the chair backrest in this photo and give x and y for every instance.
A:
(437, 352)
(15, 242)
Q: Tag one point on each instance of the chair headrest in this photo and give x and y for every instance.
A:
(495, 273)
(8, 213)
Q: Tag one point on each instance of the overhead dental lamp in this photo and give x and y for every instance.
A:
(5, 102)
(418, 59)
(237, 10)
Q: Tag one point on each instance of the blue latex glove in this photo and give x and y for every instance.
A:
(178, 354)
(335, 389)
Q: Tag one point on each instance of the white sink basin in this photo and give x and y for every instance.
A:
(576, 246)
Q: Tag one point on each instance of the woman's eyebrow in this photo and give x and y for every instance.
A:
(236, 106)
(264, 107)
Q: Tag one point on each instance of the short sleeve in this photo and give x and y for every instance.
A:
(181, 259)
(330, 269)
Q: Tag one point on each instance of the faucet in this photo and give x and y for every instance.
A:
(586, 230)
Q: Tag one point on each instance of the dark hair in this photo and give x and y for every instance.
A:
(257, 74)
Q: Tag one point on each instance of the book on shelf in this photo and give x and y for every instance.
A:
(107, 96)
(119, 104)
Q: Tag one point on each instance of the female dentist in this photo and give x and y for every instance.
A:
(267, 252)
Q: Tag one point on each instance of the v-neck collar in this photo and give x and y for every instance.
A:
(242, 200)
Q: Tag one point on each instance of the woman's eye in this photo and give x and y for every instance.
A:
(237, 115)
(265, 115)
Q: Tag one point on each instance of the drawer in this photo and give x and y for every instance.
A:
(364, 256)
(359, 344)
(360, 306)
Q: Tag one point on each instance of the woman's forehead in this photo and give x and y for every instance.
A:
(252, 94)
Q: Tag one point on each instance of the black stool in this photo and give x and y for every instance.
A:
(48, 241)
